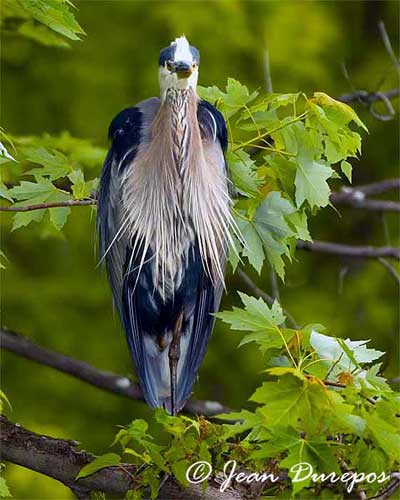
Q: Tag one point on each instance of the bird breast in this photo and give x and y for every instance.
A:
(175, 196)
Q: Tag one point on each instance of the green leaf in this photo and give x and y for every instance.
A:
(40, 190)
(80, 188)
(137, 429)
(385, 435)
(236, 96)
(256, 316)
(4, 490)
(4, 192)
(298, 220)
(290, 401)
(243, 172)
(107, 460)
(372, 460)
(54, 163)
(346, 168)
(59, 216)
(23, 219)
(55, 14)
(41, 34)
(341, 355)
(344, 111)
(273, 229)
(374, 381)
(33, 193)
(254, 247)
(276, 101)
(150, 478)
(311, 185)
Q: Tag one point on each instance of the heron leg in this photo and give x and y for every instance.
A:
(174, 354)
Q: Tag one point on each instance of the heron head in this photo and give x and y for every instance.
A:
(179, 66)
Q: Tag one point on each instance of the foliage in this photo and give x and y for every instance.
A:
(46, 22)
(4, 490)
(302, 143)
(58, 176)
(323, 403)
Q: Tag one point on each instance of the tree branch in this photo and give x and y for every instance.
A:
(356, 196)
(349, 250)
(351, 196)
(117, 384)
(355, 201)
(379, 187)
(62, 460)
(50, 204)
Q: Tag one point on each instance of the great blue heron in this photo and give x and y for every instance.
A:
(164, 224)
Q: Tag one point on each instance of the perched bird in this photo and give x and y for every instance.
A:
(164, 224)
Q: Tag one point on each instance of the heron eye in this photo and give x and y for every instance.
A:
(194, 65)
(169, 65)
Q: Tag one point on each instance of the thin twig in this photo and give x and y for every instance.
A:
(388, 45)
(49, 204)
(389, 490)
(390, 268)
(260, 293)
(366, 252)
(267, 67)
(117, 384)
(368, 97)
(274, 284)
(343, 386)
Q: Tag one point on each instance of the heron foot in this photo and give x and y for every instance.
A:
(174, 354)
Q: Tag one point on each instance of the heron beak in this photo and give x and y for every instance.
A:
(183, 69)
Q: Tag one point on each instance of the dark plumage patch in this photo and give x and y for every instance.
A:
(195, 54)
(206, 123)
(167, 54)
(124, 133)
(145, 314)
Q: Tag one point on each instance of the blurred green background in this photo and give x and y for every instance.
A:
(52, 290)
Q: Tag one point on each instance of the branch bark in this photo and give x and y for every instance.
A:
(356, 196)
(62, 460)
(351, 196)
(367, 252)
(379, 187)
(355, 201)
(50, 204)
(117, 384)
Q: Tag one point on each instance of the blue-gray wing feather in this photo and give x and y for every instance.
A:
(146, 317)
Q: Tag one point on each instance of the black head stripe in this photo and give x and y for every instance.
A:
(167, 54)
(195, 54)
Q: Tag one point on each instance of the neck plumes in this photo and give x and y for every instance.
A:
(176, 195)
